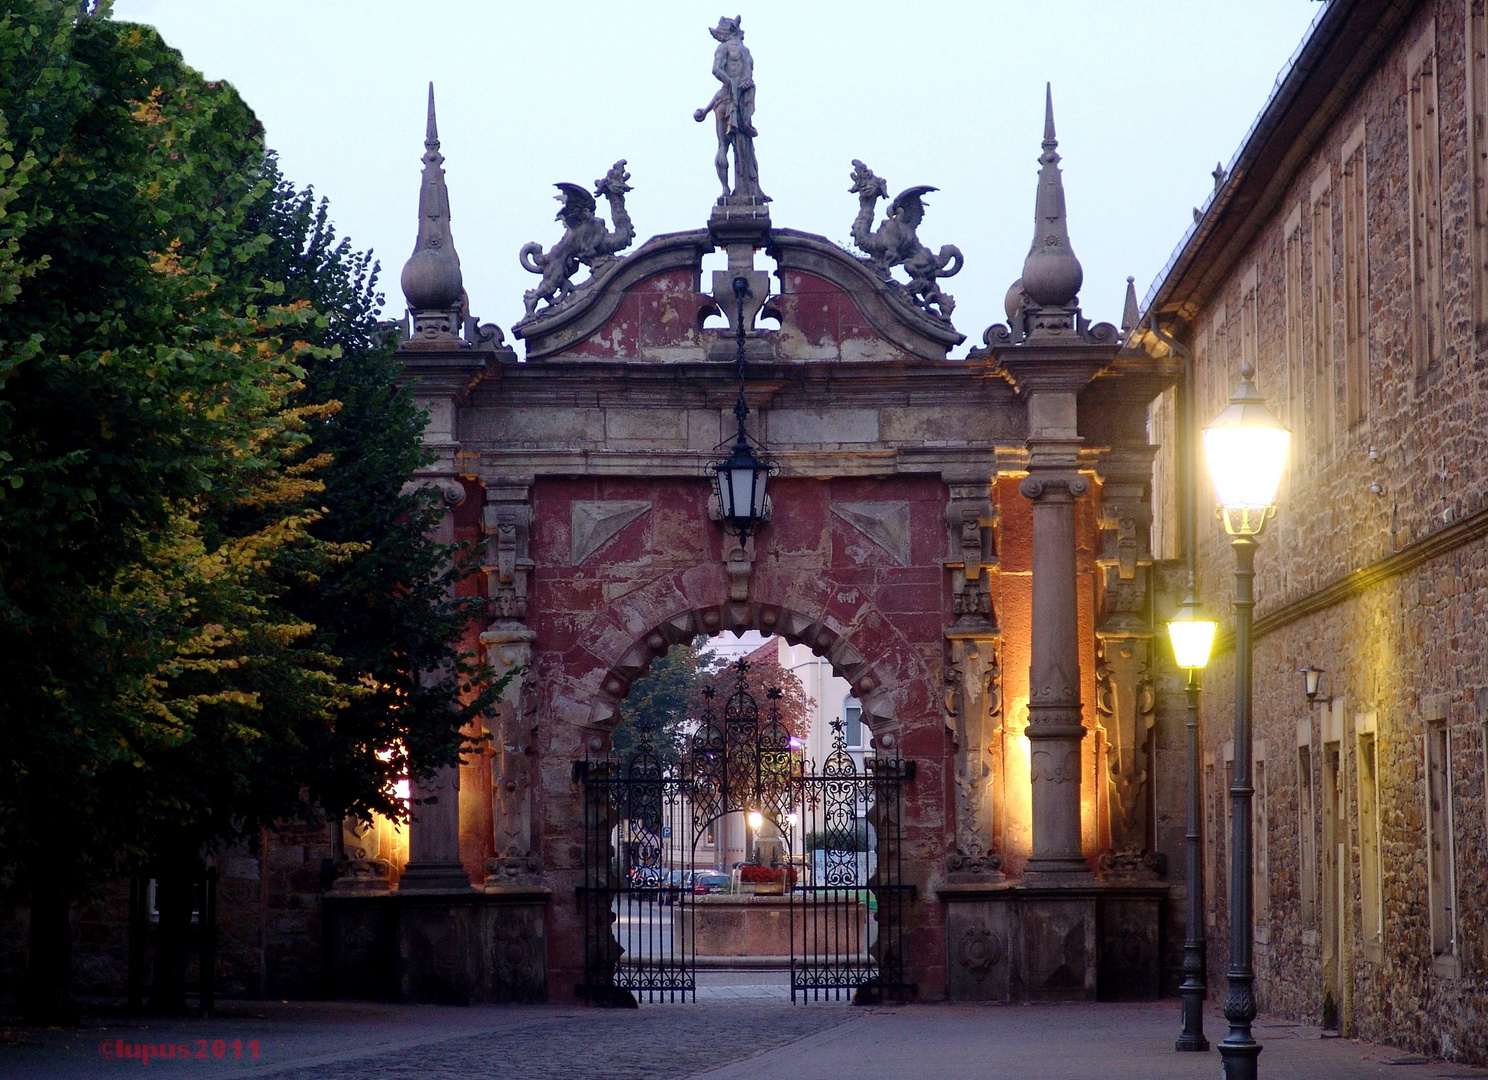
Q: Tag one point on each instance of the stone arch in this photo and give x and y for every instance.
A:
(836, 648)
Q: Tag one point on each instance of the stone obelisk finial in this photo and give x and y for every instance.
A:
(1051, 274)
(1130, 313)
(431, 277)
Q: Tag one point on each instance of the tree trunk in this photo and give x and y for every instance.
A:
(46, 997)
(174, 898)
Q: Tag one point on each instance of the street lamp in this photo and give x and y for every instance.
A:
(1312, 679)
(1192, 632)
(741, 478)
(1245, 447)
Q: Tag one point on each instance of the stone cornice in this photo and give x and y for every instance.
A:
(705, 384)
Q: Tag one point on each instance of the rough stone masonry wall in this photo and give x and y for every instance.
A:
(1397, 646)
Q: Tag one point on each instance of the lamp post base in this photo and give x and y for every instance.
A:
(1238, 1059)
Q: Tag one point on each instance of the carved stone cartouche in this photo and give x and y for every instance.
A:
(896, 241)
(586, 239)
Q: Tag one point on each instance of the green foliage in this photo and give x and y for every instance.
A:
(218, 607)
(664, 702)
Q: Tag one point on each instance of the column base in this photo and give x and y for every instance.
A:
(1238, 1059)
(1058, 874)
(434, 877)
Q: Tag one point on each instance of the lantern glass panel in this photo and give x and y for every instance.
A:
(1192, 640)
(1246, 463)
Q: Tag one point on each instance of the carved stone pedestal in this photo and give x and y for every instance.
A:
(1017, 944)
(453, 948)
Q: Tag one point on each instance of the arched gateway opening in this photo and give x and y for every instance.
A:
(813, 886)
(966, 539)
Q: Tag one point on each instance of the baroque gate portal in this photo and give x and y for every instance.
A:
(834, 835)
(964, 539)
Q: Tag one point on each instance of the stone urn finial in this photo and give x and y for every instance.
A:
(1051, 274)
(431, 276)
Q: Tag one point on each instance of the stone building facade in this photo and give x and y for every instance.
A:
(1343, 257)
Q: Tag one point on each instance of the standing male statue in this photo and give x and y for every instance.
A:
(733, 108)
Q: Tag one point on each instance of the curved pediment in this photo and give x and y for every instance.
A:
(660, 278)
(649, 305)
(812, 269)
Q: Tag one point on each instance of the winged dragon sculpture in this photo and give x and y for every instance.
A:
(896, 243)
(586, 238)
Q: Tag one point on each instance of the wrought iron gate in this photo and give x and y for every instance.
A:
(849, 903)
(839, 832)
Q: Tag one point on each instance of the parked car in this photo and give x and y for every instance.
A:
(673, 884)
(709, 881)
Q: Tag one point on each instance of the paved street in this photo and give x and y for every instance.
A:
(742, 1027)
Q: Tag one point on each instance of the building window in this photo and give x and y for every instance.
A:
(1355, 281)
(1425, 204)
(852, 716)
(1322, 314)
(1294, 410)
(1477, 93)
(1306, 838)
(1443, 886)
(1371, 910)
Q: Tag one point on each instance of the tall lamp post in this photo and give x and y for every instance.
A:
(1245, 447)
(1192, 633)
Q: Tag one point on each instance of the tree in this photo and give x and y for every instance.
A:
(664, 702)
(218, 608)
(760, 677)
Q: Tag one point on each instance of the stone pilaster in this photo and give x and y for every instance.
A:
(973, 703)
(973, 689)
(1124, 692)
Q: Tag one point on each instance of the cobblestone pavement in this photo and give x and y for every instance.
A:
(740, 1029)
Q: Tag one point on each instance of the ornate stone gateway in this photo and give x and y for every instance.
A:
(832, 839)
(963, 539)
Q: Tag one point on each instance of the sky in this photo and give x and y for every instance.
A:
(1148, 97)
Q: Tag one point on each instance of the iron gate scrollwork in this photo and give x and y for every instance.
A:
(838, 833)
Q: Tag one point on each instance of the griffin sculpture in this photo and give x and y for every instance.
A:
(586, 238)
(895, 242)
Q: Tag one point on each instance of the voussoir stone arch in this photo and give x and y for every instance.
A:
(873, 691)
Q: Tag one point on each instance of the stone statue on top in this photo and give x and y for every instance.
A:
(896, 242)
(733, 110)
(586, 238)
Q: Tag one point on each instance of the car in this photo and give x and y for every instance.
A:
(710, 881)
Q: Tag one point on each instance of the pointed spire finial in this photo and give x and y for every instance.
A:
(1050, 142)
(431, 128)
(431, 278)
(1051, 274)
(1129, 313)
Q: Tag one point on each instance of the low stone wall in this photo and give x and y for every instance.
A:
(760, 926)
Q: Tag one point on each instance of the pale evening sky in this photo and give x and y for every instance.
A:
(1147, 97)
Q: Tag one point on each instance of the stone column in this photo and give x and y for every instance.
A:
(1055, 726)
(512, 725)
(434, 836)
(434, 831)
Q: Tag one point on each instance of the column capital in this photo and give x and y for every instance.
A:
(1053, 486)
